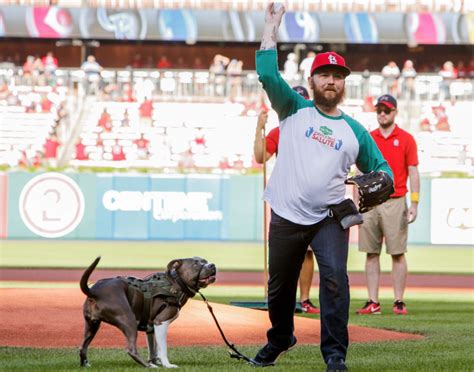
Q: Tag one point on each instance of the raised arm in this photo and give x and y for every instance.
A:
(273, 15)
(285, 101)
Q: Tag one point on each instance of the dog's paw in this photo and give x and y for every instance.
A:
(155, 361)
(169, 365)
(151, 365)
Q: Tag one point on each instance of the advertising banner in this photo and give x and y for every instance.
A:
(452, 213)
(3, 205)
(192, 25)
(116, 206)
(188, 207)
(361, 28)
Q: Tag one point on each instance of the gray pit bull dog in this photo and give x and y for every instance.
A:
(148, 304)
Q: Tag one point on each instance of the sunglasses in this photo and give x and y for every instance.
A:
(386, 111)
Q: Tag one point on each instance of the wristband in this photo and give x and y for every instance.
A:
(415, 197)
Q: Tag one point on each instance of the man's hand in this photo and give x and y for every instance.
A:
(273, 16)
(412, 212)
(260, 138)
(274, 13)
(262, 120)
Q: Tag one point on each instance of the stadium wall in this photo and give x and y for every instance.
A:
(186, 207)
(115, 206)
(3, 205)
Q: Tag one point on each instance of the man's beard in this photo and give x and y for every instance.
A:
(387, 124)
(329, 103)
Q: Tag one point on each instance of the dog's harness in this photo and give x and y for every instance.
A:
(158, 285)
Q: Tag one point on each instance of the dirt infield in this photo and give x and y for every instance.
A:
(52, 318)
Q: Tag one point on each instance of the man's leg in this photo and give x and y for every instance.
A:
(370, 242)
(399, 275)
(306, 275)
(395, 226)
(331, 245)
(372, 275)
(287, 248)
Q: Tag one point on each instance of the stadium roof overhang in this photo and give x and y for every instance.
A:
(462, 6)
(192, 21)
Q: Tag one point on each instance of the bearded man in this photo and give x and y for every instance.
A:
(318, 145)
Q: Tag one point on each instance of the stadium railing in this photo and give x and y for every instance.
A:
(185, 83)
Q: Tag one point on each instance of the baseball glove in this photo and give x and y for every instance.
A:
(374, 189)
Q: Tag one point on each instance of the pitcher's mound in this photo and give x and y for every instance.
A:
(49, 318)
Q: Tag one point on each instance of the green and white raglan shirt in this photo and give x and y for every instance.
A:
(315, 151)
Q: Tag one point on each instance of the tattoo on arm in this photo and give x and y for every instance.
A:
(269, 38)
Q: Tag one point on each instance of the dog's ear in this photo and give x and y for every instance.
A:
(173, 265)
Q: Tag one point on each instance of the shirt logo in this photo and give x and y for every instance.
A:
(323, 136)
(332, 60)
(396, 143)
(325, 130)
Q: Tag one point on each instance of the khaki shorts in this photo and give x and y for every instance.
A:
(388, 221)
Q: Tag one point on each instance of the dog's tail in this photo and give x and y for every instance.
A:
(85, 277)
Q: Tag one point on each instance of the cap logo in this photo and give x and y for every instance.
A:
(332, 60)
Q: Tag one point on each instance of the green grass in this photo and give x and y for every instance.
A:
(226, 255)
(447, 326)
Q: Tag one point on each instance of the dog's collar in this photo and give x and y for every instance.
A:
(184, 287)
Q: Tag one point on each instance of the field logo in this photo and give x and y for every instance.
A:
(51, 205)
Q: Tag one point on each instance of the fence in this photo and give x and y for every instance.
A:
(192, 207)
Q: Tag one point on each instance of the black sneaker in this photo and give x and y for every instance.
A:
(336, 364)
(268, 355)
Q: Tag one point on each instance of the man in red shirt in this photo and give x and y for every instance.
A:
(146, 109)
(163, 63)
(50, 62)
(390, 220)
(142, 147)
(51, 149)
(117, 153)
(271, 147)
(81, 151)
(105, 121)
